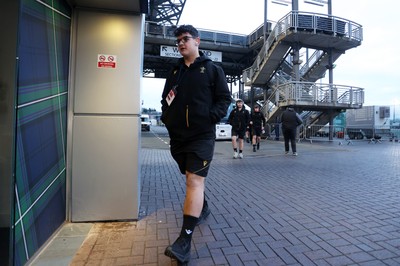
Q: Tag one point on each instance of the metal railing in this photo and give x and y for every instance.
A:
(321, 132)
(315, 57)
(217, 37)
(372, 134)
(300, 21)
(318, 94)
(167, 31)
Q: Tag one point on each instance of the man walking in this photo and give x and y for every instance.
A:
(257, 124)
(290, 121)
(195, 97)
(238, 119)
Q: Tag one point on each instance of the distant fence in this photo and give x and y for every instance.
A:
(347, 134)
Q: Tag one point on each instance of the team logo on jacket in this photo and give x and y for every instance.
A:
(205, 163)
(202, 69)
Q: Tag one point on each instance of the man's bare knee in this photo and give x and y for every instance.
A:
(194, 181)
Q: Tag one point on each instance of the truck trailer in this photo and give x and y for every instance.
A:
(370, 122)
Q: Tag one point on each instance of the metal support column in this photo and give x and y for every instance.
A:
(330, 69)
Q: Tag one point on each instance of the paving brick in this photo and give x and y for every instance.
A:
(249, 244)
(218, 257)
(285, 256)
(234, 260)
(360, 257)
(266, 250)
(234, 250)
(317, 254)
(201, 250)
(150, 255)
(249, 257)
(339, 260)
(333, 251)
(383, 254)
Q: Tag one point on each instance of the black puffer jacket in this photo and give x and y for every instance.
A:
(202, 100)
(290, 119)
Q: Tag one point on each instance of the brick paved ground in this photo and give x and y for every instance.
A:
(331, 205)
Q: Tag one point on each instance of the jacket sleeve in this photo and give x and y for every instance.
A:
(250, 119)
(222, 96)
(247, 116)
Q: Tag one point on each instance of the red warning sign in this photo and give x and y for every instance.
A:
(106, 61)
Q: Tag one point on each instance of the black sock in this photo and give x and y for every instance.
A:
(235, 149)
(240, 151)
(189, 223)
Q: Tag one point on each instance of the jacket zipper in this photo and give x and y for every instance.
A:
(187, 115)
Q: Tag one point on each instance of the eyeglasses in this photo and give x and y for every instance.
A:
(185, 39)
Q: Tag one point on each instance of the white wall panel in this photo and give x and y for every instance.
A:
(105, 168)
(108, 90)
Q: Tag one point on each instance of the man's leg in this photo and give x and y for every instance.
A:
(194, 195)
(241, 144)
(192, 207)
(293, 140)
(234, 146)
(234, 142)
(286, 139)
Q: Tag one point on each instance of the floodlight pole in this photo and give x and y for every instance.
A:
(295, 48)
(295, 5)
(330, 7)
(265, 21)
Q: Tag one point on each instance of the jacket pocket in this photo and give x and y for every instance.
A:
(197, 116)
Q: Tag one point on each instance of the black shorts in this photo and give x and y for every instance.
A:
(256, 131)
(194, 157)
(238, 132)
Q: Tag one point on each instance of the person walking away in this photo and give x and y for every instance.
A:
(276, 127)
(238, 119)
(290, 120)
(257, 124)
(195, 97)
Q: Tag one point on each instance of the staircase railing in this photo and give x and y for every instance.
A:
(320, 94)
(315, 57)
(217, 37)
(304, 21)
(314, 95)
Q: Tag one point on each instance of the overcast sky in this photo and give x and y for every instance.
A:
(370, 66)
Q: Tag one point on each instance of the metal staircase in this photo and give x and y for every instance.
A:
(273, 71)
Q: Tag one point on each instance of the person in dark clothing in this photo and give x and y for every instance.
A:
(276, 127)
(238, 119)
(195, 97)
(290, 121)
(257, 123)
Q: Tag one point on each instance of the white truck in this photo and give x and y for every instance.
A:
(370, 122)
(145, 121)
